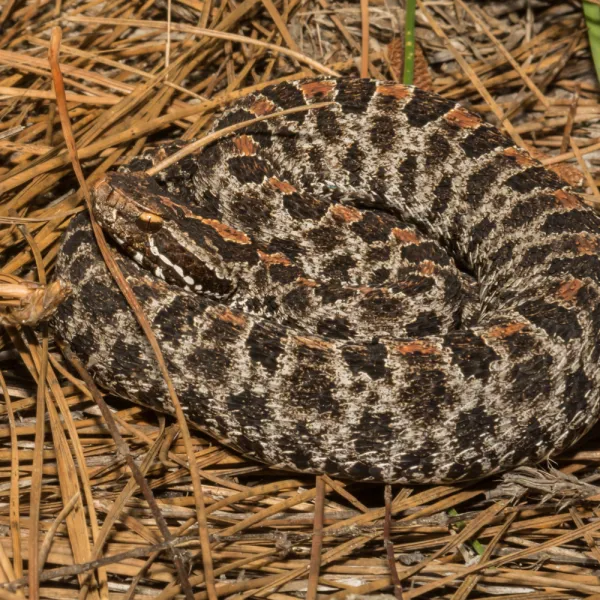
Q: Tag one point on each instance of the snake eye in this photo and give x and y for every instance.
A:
(149, 222)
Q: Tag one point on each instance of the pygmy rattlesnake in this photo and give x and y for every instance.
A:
(384, 288)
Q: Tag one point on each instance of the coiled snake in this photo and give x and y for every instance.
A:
(384, 288)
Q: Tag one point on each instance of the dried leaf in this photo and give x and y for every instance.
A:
(36, 302)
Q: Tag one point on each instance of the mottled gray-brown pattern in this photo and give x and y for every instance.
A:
(383, 289)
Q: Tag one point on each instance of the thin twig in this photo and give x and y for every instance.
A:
(317, 541)
(364, 54)
(389, 545)
(65, 121)
(209, 33)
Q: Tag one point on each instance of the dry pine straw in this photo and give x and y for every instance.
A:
(97, 532)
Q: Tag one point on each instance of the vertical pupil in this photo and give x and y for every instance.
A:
(149, 222)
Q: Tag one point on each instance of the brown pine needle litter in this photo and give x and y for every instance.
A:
(97, 496)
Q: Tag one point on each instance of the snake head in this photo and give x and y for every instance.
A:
(132, 201)
(133, 209)
(161, 234)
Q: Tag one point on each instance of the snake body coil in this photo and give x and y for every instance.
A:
(384, 288)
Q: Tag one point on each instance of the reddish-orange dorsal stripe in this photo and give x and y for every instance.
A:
(568, 290)
(416, 347)
(463, 118)
(229, 317)
(405, 236)
(245, 145)
(567, 200)
(318, 88)
(427, 267)
(311, 283)
(274, 259)
(228, 233)
(262, 107)
(504, 331)
(347, 214)
(397, 91)
(522, 157)
(282, 186)
(586, 244)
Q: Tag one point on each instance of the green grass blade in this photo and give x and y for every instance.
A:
(592, 19)
(409, 42)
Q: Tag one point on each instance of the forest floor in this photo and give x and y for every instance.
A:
(139, 72)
